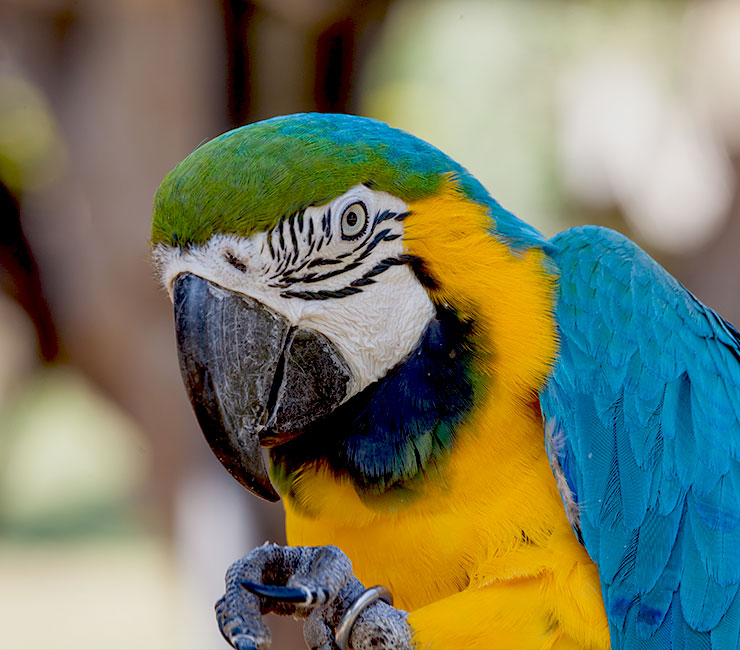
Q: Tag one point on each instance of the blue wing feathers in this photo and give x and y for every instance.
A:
(645, 397)
(726, 635)
(655, 542)
(703, 599)
(634, 482)
(718, 535)
(655, 602)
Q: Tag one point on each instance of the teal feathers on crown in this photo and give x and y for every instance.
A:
(246, 180)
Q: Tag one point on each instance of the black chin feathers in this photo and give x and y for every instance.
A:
(399, 427)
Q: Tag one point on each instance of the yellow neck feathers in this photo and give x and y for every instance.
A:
(508, 297)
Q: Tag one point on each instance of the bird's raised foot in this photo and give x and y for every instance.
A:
(315, 583)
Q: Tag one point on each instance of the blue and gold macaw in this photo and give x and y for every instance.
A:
(531, 443)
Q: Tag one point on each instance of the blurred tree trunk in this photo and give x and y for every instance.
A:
(19, 274)
(131, 96)
(289, 56)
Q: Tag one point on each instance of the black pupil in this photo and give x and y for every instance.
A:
(352, 219)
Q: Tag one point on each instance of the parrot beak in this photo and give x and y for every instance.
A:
(253, 380)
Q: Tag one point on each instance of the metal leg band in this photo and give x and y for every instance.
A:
(348, 620)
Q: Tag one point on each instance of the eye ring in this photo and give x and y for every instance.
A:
(354, 221)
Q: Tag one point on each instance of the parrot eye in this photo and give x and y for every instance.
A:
(354, 220)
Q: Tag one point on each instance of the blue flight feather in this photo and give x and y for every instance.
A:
(645, 396)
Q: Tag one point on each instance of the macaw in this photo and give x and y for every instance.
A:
(528, 443)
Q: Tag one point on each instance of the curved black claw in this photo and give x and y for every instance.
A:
(285, 594)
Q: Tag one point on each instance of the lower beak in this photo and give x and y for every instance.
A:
(253, 380)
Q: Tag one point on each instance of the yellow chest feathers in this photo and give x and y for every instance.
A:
(493, 520)
(483, 506)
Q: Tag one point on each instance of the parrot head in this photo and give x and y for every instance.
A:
(336, 283)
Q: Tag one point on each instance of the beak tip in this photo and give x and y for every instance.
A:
(244, 461)
(264, 491)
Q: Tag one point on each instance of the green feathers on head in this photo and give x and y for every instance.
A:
(246, 180)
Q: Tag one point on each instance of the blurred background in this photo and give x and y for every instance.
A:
(116, 523)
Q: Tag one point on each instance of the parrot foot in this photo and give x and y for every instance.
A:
(313, 583)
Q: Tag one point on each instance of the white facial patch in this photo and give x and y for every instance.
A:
(338, 269)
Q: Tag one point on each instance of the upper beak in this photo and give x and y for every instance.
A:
(253, 380)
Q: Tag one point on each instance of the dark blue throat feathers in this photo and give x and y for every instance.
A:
(399, 428)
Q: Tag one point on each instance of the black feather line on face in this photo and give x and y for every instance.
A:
(281, 237)
(326, 223)
(321, 295)
(364, 280)
(311, 240)
(235, 262)
(293, 239)
(369, 247)
(422, 273)
(314, 277)
(382, 216)
(322, 261)
(285, 275)
(288, 250)
(290, 272)
(384, 265)
(284, 254)
(361, 282)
